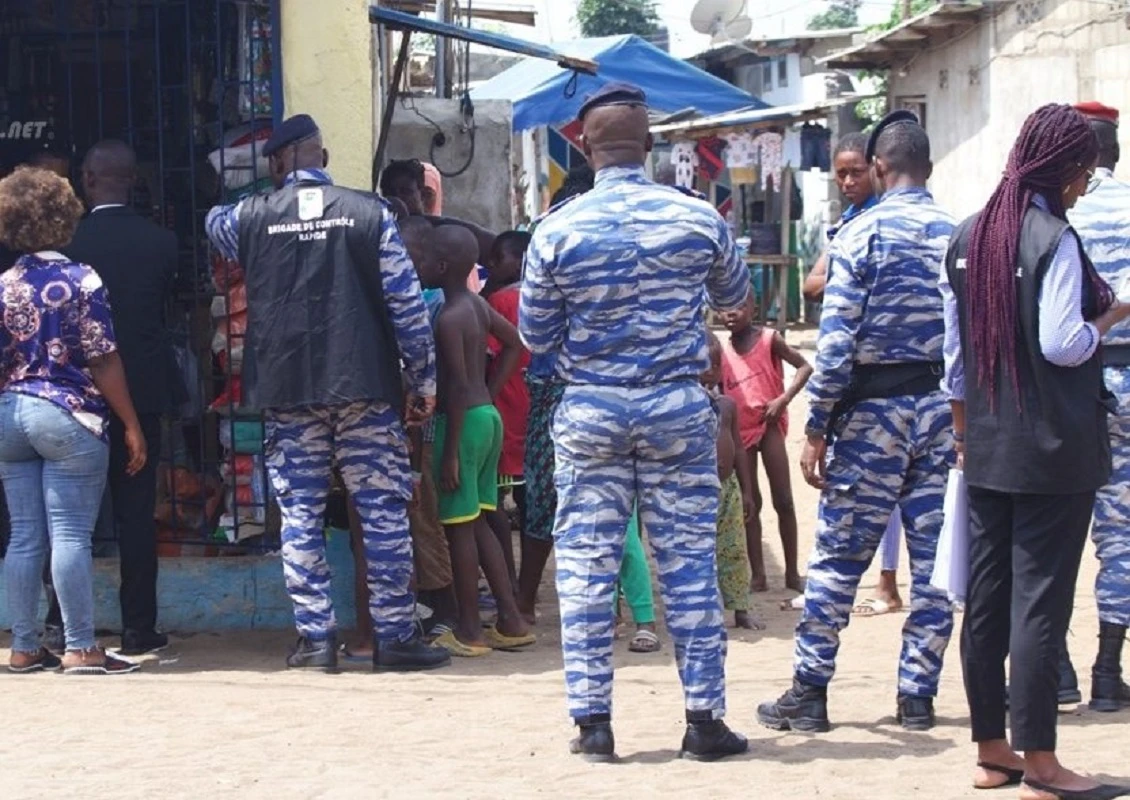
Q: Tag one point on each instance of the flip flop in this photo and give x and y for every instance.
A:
(1100, 792)
(872, 607)
(451, 644)
(1013, 777)
(508, 644)
(644, 642)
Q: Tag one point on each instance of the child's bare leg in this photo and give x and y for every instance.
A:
(493, 562)
(360, 642)
(780, 487)
(499, 522)
(758, 581)
(465, 570)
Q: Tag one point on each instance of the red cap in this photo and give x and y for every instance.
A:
(1095, 110)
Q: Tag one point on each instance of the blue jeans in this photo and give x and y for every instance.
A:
(54, 473)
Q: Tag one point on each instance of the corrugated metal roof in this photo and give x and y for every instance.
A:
(757, 117)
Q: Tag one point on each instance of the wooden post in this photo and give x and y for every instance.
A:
(391, 99)
(786, 246)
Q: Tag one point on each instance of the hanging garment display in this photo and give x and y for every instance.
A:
(790, 150)
(710, 164)
(816, 147)
(741, 159)
(685, 160)
(255, 61)
(768, 152)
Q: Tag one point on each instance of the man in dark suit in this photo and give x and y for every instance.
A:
(137, 262)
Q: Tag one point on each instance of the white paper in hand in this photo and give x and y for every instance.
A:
(951, 564)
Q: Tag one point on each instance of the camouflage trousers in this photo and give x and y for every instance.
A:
(889, 453)
(1111, 530)
(654, 446)
(367, 443)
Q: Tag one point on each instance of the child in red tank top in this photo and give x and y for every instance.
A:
(753, 376)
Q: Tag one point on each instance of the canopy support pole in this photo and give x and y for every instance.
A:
(390, 103)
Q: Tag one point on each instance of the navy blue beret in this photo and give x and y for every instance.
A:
(295, 129)
(900, 117)
(613, 94)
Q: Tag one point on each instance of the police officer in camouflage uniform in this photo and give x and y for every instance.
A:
(333, 305)
(615, 286)
(876, 396)
(1102, 220)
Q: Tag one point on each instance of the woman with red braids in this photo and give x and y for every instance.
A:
(1025, 310)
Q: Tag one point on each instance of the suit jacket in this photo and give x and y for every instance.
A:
(137, 261)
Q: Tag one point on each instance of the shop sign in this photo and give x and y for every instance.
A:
(26, 131)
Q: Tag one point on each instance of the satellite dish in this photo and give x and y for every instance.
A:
(717, 17)
(736, 31)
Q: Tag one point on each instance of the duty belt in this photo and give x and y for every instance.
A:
(880, 381)
(1116, 355)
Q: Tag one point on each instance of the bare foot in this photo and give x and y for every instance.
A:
(795, 582)
(359, 647)
(759, 583)
(985, 777)
(511, 626)
(747, 621)
(1064, 780)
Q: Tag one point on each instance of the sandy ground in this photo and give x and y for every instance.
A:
(218, 716)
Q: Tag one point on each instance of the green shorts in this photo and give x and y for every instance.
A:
(479, 449)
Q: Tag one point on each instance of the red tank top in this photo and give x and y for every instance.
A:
(752, 381)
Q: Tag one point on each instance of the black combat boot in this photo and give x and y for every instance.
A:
(414, 655)
(802, 708)
(1068, 694)
(595, 742)
(709, 739)
(1108, 691)
(308, 654)
(915, 713)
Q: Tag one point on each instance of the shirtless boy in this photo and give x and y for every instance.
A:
(736, 474)
(468, 441)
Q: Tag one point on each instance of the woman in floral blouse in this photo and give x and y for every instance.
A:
(61, 377)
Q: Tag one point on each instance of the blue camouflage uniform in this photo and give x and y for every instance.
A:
(614, 290)
(881, 307)
(367, 442)
(1102, 220)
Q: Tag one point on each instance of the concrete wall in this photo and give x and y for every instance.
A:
(979, 89)
(482, 194)
(328, 73)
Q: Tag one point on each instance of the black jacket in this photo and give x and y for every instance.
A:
(137, 261)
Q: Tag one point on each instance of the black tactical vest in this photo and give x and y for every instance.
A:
(318, 330)
(1054, 440)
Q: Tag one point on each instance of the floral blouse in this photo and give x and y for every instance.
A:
(56, 321)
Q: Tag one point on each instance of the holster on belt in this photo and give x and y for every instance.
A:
(880, 381)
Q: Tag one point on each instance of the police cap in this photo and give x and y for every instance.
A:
(295, 129)
(900, 117)
(1097, 111)
(613, 94)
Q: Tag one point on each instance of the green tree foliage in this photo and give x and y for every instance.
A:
(839, 14)
(616, 17)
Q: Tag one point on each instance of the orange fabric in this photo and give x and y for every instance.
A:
(752, 381)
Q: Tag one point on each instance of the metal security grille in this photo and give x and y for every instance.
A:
(179, 80)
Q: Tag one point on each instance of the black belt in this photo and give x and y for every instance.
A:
(1116, 355)
(881, 381)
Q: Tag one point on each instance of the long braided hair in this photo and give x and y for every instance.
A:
(1055, 146)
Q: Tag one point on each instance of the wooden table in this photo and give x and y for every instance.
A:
(779, 265)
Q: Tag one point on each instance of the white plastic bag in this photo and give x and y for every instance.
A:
(951, 563)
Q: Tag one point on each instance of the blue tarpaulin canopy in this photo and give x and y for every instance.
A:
(545, 94)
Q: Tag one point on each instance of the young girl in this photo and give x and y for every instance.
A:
(753, 377)
(736, 501)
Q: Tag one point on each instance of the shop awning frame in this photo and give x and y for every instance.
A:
(410, 23)
(755, 118)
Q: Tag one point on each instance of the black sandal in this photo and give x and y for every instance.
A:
(1100, 792)
(45, 661)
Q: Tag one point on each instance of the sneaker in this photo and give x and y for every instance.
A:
(96, 661)
(595, 743)
(142, 643)
(414, 655)
(26, 663)
(711, 740)
(802, 708)
(54, 638)
(915, 713)
(309, 654)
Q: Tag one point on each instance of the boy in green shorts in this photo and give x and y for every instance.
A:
(468, 442)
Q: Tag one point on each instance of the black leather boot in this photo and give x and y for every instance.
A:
(802, 708)
(309, 654)
(1068, 694)
(595, 742)
(915, 713)
(1108, 691)
(709, 739)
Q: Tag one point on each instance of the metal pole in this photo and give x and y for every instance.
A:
(906, 9)
(443, 47)
(391, 98)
